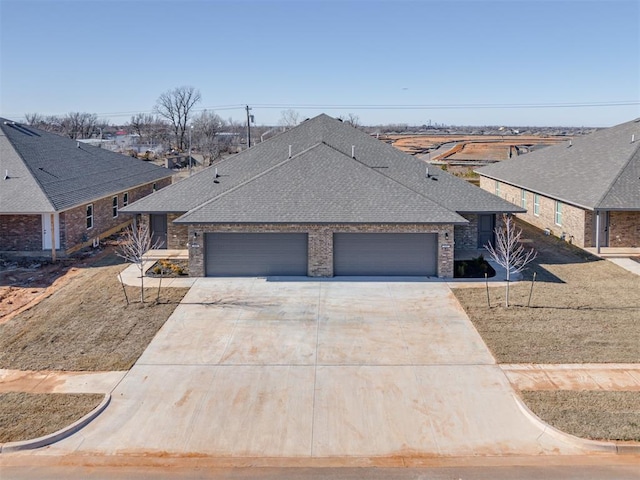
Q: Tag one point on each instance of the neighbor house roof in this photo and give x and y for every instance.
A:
(42, 172)
(319, 172)
(597, 171)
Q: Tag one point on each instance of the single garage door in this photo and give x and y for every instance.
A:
(385, 254)
(255, 254)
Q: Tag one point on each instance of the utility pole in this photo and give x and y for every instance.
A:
(249, 119)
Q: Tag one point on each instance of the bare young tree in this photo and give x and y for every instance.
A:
(176, 105)
(289, 119)
(134, 243)
(206, 127)
(508, 252)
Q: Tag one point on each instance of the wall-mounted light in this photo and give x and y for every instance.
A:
(446, 235)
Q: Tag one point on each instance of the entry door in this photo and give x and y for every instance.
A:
(486, 226)
(604, 229)
(46, 230)
(159, 230)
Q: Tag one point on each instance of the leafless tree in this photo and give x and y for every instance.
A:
(149, 127)
(353, 120)
(289, 119)
(134, 243)
(79, 124)
(34, 119)
(176, 106)
(206, 127)
(508, 252)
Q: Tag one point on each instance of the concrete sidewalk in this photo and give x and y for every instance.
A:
(606, 377)
(58, 382)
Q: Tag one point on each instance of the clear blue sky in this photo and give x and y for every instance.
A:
(115, 58)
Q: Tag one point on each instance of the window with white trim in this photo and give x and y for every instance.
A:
(125, 199)
(523, 198)
(89, 216)
(114, 206)
(558, 216)
(536, 204)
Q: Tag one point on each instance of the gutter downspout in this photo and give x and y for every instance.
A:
(598, 232)
(53, 237)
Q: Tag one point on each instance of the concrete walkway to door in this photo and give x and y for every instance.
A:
(304, 369)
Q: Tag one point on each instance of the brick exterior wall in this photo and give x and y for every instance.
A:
(20, 233)
(624, 229)
(466, 236)
(320, 246)
(177, 235)
(576, 222)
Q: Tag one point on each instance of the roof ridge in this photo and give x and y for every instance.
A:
(27, 164)
(396, 181)
(615, 179)
(246, 182)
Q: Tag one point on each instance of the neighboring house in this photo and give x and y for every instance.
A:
(586, 191)
(322, 199)
(61, 194)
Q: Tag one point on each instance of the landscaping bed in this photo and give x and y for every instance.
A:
(169, 268)
(474, 268)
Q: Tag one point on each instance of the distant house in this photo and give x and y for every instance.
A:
(586, 190)
(322, 199)
(58, 193)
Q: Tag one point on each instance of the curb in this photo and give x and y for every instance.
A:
(60, 434)
(593, 445)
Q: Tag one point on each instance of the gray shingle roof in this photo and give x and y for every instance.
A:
(598, 171)
(48, 173)
(322, 183)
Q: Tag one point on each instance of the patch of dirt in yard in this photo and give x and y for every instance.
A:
(55, 411)
(595, 415)
(583, 309)
(86, 325)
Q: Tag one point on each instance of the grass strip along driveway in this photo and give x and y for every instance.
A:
(583, 310)
(86, 325)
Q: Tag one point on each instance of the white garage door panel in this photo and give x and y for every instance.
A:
(255, 254)
(385, 254)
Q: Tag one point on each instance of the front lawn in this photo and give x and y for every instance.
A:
(583, 309)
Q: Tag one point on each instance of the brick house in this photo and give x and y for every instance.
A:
(323, 199)
(57, 194)
(586, 191)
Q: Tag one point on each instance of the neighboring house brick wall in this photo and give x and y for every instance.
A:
(466, 236)
(20, 233)
(624, 229)
(320, 249)
(73, 226)
(576, 222)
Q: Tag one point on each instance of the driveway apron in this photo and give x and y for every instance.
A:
(301, 368)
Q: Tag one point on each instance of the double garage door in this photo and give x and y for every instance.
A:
(354, 254)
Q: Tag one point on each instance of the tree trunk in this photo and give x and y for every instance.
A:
(141, 267)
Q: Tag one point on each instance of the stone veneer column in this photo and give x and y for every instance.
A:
(196, 253)
(445, 252)
(320, 255)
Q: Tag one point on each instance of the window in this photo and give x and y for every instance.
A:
(125, 199)
(523, 198)
(114, 206)
(89, 216)
(497, 188)
(558, 213)
(536, 204)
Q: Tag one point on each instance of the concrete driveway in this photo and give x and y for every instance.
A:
(257, 368)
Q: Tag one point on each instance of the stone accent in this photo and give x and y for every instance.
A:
(20, 233)
(466, 236)
(320, 238)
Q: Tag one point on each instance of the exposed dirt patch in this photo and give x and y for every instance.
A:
(583, 310)
(588, 414)
(25, 416)
(86, 325)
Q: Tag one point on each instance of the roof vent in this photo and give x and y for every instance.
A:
(78, 144)
(633, 137)
(427, 173)
(570, 143)
(353, 151)
(6, 174)
(289, 151)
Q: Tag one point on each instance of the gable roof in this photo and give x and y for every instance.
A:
(50, 173)
(597, 171)
(322, 182)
